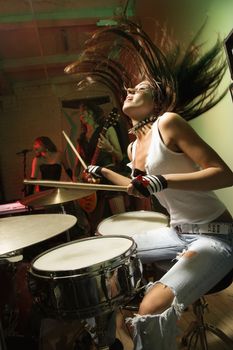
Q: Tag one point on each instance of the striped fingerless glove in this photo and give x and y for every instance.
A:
(94, 170)
(149, 184)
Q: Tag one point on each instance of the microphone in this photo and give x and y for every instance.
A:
(24, 151)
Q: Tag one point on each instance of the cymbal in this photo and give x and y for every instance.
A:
(54, 196)
(17, 232)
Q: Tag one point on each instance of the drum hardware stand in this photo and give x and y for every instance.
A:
(67, 231)
(102, 329)
(9, 314)
(100, 332)
(2, 338)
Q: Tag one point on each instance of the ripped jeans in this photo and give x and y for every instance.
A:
(189, 278)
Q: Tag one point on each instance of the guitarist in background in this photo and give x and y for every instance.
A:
(98, 144)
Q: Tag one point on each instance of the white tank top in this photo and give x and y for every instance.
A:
(193, 207)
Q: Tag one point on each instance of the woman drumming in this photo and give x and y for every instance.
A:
(170, 161)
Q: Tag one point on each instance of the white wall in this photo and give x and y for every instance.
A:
(216, 126)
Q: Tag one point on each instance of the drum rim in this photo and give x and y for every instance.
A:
(83, 272)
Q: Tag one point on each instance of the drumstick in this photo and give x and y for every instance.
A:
(74, 149)
(76, 185)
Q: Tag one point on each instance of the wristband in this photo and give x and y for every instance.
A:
(94, 170)
(149, 184)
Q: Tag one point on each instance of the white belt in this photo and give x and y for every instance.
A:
(212, 228)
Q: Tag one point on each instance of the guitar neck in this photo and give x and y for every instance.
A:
(111, 120)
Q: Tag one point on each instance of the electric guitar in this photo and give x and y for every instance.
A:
(89, 203)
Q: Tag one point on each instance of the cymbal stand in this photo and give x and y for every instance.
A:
(67, 231)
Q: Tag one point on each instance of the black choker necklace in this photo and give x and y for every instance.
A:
(140, 125)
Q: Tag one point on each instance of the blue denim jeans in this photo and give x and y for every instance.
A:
(189, 278)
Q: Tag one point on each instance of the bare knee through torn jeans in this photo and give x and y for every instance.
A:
(189, 278)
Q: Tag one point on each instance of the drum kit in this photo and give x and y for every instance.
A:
(81, 279)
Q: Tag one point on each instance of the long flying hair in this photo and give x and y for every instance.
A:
(183, 81)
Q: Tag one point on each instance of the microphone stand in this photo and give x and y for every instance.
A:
(24, 171)
(24, 154)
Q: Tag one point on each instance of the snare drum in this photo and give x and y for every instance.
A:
(87, 277)
(132, 222)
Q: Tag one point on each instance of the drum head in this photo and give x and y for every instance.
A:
(132, 222)
(85, 254)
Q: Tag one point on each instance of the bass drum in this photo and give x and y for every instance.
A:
(85, 278)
